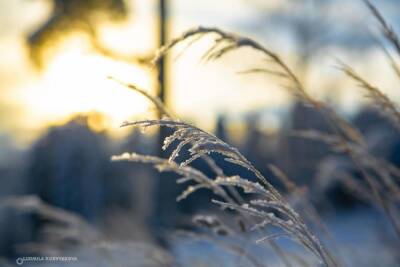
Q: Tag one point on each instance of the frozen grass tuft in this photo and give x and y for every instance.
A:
(266, 201)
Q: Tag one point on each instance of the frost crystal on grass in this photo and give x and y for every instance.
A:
(200, 143)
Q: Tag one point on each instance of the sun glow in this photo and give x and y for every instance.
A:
(76, 82)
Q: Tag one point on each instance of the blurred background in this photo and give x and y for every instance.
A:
(60, 116)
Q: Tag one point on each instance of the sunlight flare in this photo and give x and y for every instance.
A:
(76, 82)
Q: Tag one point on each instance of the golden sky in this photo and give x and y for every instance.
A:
(75, 79)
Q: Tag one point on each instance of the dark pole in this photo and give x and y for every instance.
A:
(162, 84)
(164, 210)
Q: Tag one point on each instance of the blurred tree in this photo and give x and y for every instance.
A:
(69, 167)
(69, 16)
(84, 16)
